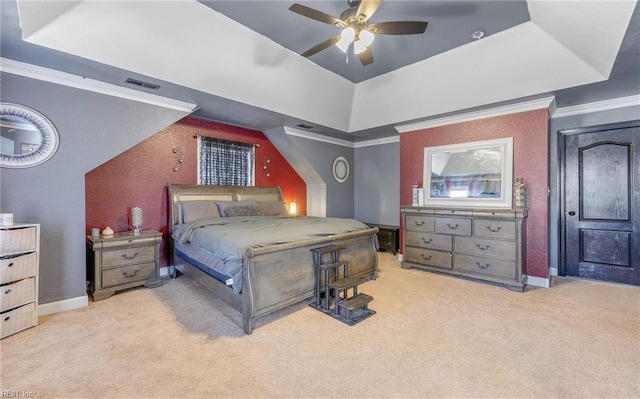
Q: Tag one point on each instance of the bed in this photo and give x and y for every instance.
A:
(271, 274)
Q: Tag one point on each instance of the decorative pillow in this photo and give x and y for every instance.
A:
(239, 208)
(197, 210)
(272, 208)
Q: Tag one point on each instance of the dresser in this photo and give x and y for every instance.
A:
(19, 266)
(121, 261)
(482, 244)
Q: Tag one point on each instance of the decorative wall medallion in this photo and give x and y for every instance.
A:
(340, 169)
(27, 138)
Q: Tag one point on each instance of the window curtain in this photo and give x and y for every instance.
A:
(224, 162)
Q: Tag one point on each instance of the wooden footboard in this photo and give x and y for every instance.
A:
(280, 275)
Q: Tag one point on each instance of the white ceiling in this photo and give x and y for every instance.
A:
(239, 76)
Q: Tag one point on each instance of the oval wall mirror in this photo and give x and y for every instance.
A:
(27, 138)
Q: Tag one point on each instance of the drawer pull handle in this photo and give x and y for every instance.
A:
(454, 227)
(10, 264)
(8, 291)
(480, 247)
(127, 257)
(426, 257)
(485, 266)
(7, 318)
(127, 275)
(427, 241)
(497, 229)
(418, 223)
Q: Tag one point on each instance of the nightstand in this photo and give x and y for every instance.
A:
(387, 237)
(122, 261)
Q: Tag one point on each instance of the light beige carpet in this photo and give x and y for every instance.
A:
(432, 336)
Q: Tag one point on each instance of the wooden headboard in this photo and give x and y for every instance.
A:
(179, 193)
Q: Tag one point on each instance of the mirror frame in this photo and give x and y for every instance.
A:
(506, 186)
(50, 139)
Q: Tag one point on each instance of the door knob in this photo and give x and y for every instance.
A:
(572, 213)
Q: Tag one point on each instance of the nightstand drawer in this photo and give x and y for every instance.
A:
(18, 267)
(487, 266)
(429, 240)
(428, 257)
(127, 256)
(127, 274)
(17, 294)
(14, 240)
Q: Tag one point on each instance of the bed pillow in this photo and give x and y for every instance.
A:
(197, 210)
(272, 208)
(239, 208)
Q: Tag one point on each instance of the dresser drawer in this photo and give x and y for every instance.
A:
(428, 257)
(17, 293)
(418, 223)
(18, 319)
(456, 226)
(128, 256)
(18, 240)
(18, 267)
(127, 274)
(429, 240)
(494, 228)
(485, 247)
(486, 266)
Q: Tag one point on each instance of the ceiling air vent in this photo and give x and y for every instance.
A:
(140, 83)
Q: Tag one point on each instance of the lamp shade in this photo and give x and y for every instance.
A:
(348, 34)
(365, 38)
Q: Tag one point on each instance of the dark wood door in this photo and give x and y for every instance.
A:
(601, 214)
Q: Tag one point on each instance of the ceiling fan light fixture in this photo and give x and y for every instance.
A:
(365, 39)
(348, 34)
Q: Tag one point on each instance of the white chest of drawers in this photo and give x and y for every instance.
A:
(19, 266)
(482, 244)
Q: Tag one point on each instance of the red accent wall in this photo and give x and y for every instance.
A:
(530, 162)
(138, 176)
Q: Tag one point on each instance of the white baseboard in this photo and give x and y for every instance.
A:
(166, 271)
(553, 271)
(62, 306)
(538, 281)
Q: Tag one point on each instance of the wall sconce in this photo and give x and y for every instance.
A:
(177, 155)
(292, 208)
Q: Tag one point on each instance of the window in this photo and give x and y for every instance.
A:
(224, 162)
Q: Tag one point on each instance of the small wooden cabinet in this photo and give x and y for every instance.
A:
(483, 244)
(387, 237)
(19, 267)
(121, 261)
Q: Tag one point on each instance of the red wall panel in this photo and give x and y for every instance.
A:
(530, 160)
(138, 176)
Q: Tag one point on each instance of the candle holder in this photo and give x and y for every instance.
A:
(136, 219)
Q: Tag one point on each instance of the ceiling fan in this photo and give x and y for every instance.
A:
(356, 30)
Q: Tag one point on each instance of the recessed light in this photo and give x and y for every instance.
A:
(479, 34)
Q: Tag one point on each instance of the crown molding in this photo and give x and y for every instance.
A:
(78, 82)
(605, 105)
(545, 102)
(317, 137)
(380, 141)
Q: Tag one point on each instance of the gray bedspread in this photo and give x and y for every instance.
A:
(229, 238)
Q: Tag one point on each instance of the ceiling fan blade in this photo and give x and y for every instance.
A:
(367, 8)
(398, 28)
(321, 46)
(317, 15)
(366, 57)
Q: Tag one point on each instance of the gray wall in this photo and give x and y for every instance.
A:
(377, 184)
(321, 155)
(556, 124)
(93, 128)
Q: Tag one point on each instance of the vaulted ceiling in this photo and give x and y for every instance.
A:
(240, 62)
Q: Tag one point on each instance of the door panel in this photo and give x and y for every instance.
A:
(601, 200)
